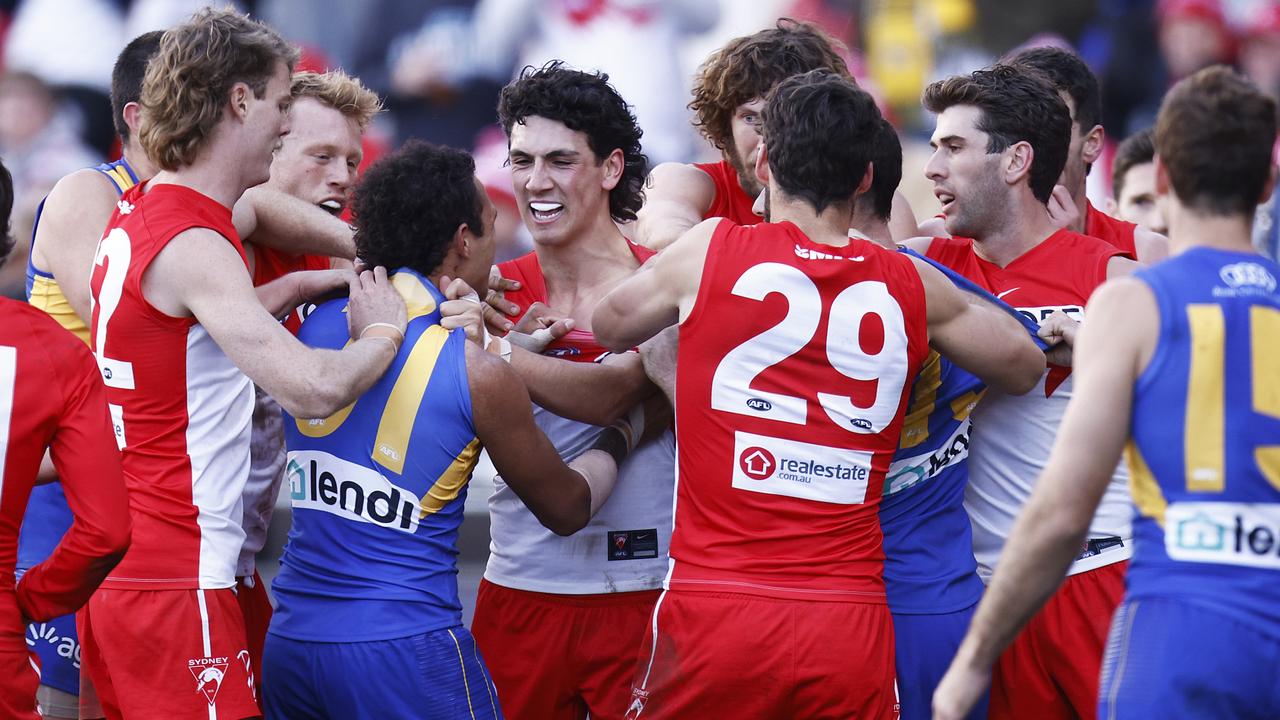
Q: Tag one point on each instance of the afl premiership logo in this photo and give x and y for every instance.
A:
(757, 463)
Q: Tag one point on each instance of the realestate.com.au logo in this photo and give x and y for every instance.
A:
(788, 467)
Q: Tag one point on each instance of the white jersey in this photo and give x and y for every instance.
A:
(266, 472)
(623, 548)
(1009, 448)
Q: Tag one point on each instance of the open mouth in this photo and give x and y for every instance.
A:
(544, 212)
(333, 207)
(947, 199)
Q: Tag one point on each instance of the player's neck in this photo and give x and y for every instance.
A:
(867, 225)
(138, 161)
(1080, 198)
(1026, 225)
(829, 227)
(586, 260)
(1189, 229)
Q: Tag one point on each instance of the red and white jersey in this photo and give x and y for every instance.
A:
(181, 409)
(1013, 434)
(731, 201)
(624, 547)
(1115, 232)
(792, 376)
(50, 398)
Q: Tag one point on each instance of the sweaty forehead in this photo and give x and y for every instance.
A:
(541, 136)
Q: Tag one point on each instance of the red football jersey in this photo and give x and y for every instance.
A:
(50, 397)
(731, 200)
(181, 409)
(792, 376)
(1115, 232)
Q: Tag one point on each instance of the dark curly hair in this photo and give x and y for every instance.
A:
(586, 103)
(819, 132)
(1137, 149)
(1017, 104)
(886, 166)
(409, 204)
(6, 208)
(750, 66)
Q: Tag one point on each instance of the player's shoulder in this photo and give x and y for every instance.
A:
(29, 327)
(1085, 244)
(80, 190)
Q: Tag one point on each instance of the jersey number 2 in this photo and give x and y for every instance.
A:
(731, 389)
(115, 251)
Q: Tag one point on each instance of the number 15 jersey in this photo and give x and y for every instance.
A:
(792, 377)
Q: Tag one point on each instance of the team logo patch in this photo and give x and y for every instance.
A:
(208, 673)
(638, 699)
(796, 469)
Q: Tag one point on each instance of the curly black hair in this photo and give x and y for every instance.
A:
(819, 132)
(886, 165)
(586, 103)
(409, 204)
(6, 209)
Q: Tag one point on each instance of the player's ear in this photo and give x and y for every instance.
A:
(1018, 160)
(132, 113)
(1162, 176)
(867, 178)
(762, 164)
(239, 97)
(1091, 150)
(614, 164)
(462, 241)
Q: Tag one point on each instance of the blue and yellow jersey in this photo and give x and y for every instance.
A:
(378, 488)
(50, 518)
(42, 288)
(1204, 451)
(929, 565)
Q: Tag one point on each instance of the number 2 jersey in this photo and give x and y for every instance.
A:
(1204, 452)
(793, 373)
(180, 408)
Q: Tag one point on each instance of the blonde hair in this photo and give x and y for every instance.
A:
(341, 92)
(188, 82)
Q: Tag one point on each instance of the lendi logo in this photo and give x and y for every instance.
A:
(320, 481)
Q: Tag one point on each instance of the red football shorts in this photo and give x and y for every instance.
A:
(171, 654)
(20, 677)
(719, 655)
(558, 657)
(255, 607)
(1051, 669)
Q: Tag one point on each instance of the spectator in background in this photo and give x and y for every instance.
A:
(1133, 183)
(1260, 48)
(1193, 34)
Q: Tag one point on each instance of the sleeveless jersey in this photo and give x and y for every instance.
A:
(48, 516)
(179, 406)
(929, 566)
(1204, 450)
(1013, 434)
(793, 372)
(731, 201)
(1115, 232)
(624, 547)
(378, 488)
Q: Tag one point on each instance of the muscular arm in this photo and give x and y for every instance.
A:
(75, 214)
(558, 495)
(1152, 247)
(274, 219)
(593, 393)
(199, 273)
(88, 462)
(978, 336)
(658, 295)
(676, 197)
(1110, 352)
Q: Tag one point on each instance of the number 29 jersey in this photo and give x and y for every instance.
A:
(792, 378)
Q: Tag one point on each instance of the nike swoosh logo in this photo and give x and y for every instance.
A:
(1006, 292)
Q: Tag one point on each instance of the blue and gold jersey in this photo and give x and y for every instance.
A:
(1204, 453)
(929, 565)
(378, 488)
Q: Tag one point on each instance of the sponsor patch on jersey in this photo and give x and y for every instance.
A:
(633, 544)
(1245, 278)
(320, 481)
(65, 646)
(909, 472)
(795, 469)
(1246, 534)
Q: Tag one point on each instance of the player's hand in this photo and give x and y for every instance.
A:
(1062, 209)
(462, 309)
(659, 356)
(540, 327)
(497, 306)
(959, 691)
(316, 286)
(1059, 331)
(374, 300)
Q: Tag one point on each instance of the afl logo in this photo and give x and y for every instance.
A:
(861, 423)
(757, 463)
(759, 404)
(1248, 273)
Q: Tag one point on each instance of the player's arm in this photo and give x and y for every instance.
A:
(978, 336)
(1151, 246)
(902, 221)
(1119, 266)
(278, 220)
(562, 497)
(88, 462)
(594, 393)
(676, 198)
(71, 224)
(282, 295)
(199, 272)
(658, 295)
(1112, 348)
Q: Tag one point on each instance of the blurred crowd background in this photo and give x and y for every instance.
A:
(439, 65)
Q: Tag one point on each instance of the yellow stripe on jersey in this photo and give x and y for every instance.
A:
(47, 295)
(417, 299)
(1204, 434)
(462, 665)
(451, 481)
(121, 178)
(392, 441)
(924, 396)
(320, 427)
(1143, 486)
(962, 406)
(1264, 332)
